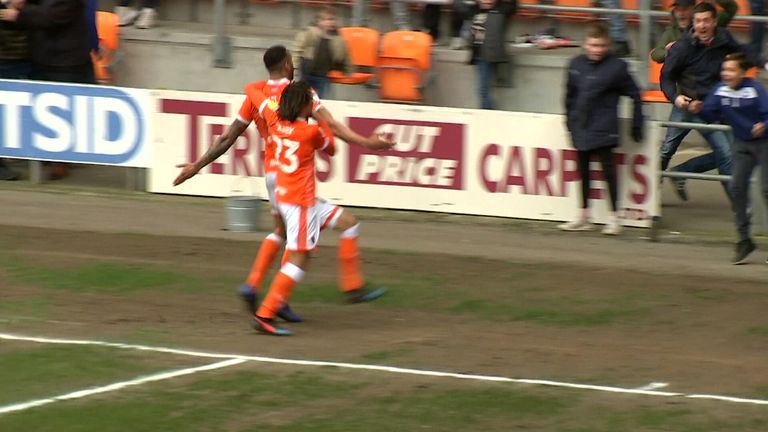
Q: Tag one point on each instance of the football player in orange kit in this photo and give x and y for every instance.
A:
(279, 64)
(304, 214)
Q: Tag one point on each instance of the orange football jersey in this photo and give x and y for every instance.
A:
(249, 111)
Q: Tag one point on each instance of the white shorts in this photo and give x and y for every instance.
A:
(271, 182)
(303, 224)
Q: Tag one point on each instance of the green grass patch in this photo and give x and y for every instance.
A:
(40, 371)
(761, 331)
(382, 356)
(272, 399)
(215, 401)
(674, 419)
(527, 298)
(567, 315)
(478, 409)
(32, 306)
(97, 277)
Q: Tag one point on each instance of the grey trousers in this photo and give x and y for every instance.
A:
(746, 156)
(401, 15)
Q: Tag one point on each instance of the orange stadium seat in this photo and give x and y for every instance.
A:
(632, 5)
(744, 9)
(403, 65)
(654, 79)
(527, 13)
(574, 16)
(362, 45)
(109, 41)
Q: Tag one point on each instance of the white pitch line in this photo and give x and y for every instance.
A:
(654, 386)
(390, 369)
(117, 386)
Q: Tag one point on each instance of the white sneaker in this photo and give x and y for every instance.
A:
(577, 225)
(126, 15)
(612, 228)
(146, 18)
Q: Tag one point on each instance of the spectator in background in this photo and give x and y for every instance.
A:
(15, 63)
(59, 38)
(320, 50)
(431, 20)
(59, 41)
(460, 23)
(401, 17)
(490, 19)
(756, 29)
(143, 19)
(617, 28)
(742, 103)
(91, 7)
(596, 80)
(682, 18)
(691, 69)
(680, 25)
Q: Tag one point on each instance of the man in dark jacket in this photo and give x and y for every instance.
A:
(691, 69)
(596, 80)
(14, 64)
(489, 28)
(59, 38)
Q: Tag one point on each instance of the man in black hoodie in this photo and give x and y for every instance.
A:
(59, 38)
(596, 80)
(691, 69)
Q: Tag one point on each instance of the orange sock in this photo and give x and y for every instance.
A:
(267, 253)
(350, 276)
(280, 291)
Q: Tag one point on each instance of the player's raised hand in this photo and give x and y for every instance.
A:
(380, 142)
(188, 170)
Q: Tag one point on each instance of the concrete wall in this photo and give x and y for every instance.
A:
(177, 55)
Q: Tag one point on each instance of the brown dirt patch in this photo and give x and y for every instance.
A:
(690, 331)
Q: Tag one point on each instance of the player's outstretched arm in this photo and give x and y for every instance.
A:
(219, 147)
(340, 130)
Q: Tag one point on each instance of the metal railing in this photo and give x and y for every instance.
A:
(759, 210)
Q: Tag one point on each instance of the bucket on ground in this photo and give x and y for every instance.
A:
(243, 211)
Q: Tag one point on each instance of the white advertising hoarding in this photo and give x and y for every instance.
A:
(478, 162)
(75, 123)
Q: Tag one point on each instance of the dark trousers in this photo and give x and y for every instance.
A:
(15, 70)
(746, 156)
(431, 18)
(757, 29)
(319, 83)
(605, 155)
(152, 4)
(457, 22)
(82, 74)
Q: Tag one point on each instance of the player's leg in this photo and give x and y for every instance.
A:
(302, 233)
(351, 280)
(268, 251)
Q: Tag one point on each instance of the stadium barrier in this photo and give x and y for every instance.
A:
(759, 210)
(494, 163)
(478, 162)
